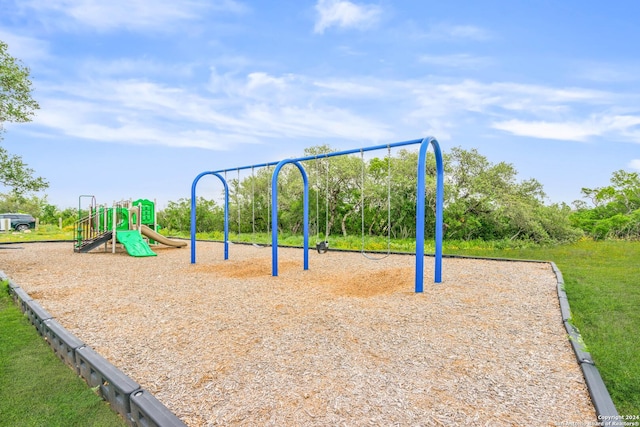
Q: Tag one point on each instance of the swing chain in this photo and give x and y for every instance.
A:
(323, 246)
(238, 200)
(253, 204)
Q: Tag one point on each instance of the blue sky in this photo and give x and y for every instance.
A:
(139, 96)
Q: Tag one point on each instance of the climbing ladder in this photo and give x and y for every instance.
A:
(88, 234)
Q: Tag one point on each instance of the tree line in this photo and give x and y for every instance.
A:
(350, 195)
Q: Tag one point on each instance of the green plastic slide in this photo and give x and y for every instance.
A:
(133, 243)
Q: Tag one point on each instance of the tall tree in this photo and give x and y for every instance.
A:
(486, 201)
(16, 103)
(616, 211)
(623, 194)
(18, 106)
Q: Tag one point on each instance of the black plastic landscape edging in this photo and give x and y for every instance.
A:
(138, 407)
(606, 411)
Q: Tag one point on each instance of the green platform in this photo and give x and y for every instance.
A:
(134, 244)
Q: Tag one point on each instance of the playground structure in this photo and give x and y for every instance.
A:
(125, 222)
(297, 162)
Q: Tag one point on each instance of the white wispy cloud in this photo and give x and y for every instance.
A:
(131, 67)
(635, 164)
(250, 110)
(456, 60)
(341, 88)
(598, 125)
(136, 15)
(116, 124)
(566, 131)
(621, 72)
(249, 106)
(501, 98)
(453, 32)
(345, 14)
(465, 32)
(545, 112)
(28, 49)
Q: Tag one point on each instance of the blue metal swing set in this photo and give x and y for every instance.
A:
(420, 205)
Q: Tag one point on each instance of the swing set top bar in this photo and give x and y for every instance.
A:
(325, 155)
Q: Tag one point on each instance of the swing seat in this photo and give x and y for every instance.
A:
(322, 247)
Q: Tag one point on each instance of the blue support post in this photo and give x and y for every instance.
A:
(193, 214)
(274, 214)
(420, 212)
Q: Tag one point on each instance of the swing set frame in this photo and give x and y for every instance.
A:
(420, 205)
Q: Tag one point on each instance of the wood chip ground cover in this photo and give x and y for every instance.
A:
(347, 342)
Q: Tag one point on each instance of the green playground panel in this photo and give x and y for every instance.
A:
(134, 244)
(147, 211)
(122, 219)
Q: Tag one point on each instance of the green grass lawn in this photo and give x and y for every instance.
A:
(44, 232)
(602, 281)
(36, 388)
